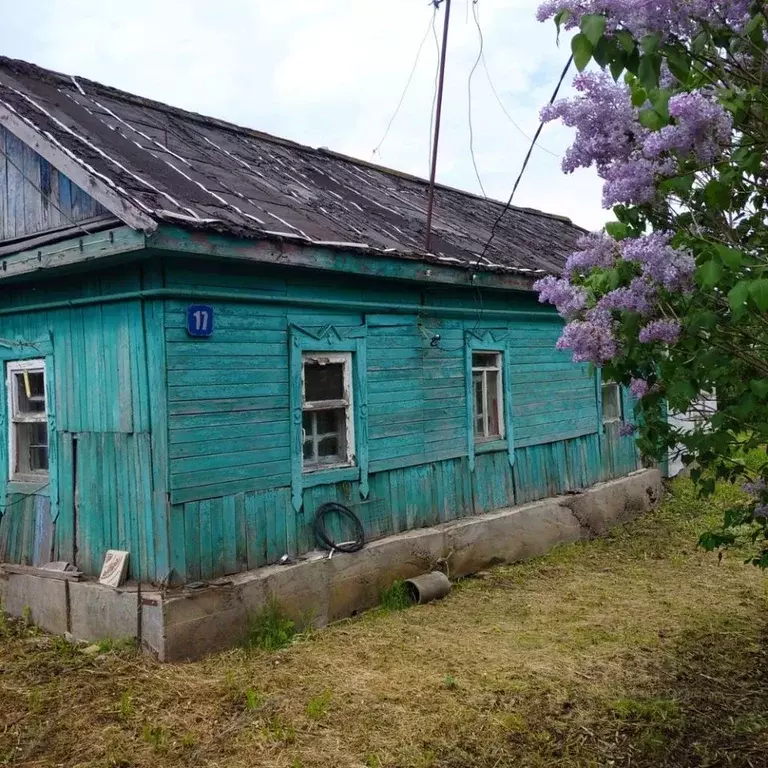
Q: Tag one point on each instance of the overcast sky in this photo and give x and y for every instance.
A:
(330, 73)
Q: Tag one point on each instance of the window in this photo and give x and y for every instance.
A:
(327, 417)
(28, 420)
(487, 396)
(611, 402)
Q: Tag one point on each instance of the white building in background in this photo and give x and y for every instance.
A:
(695, 416)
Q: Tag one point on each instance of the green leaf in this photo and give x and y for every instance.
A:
(680, 184)
(560, 18)
(718, 194)
(617, 230)
(626, 41)
(593, 26)
(649, 70)
(732, 258)
(617, 67)
(650, 43)
(633, 61)
(582, 51)
(759, 387)
(651, 119)
(758, 291)
(679, 63)
(737, 298)
(709, 273)
(639, 96)
(660, 100)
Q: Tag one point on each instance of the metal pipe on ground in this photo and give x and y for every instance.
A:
(428, 587)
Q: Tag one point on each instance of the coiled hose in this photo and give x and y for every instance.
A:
(325, 540)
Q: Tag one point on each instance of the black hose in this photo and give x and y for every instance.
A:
(322, 537)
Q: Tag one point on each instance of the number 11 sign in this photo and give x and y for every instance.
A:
(199, 320)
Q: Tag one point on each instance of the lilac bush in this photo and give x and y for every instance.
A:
(671, 298)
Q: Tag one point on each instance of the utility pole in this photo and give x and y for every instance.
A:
(438, 110)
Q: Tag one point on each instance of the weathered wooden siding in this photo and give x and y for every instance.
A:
(100, 419)
(34, 196)
(229, 427)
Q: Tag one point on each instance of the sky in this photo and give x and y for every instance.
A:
(330, 73)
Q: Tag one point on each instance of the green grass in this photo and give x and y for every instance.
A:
(636, 650)
(396, 597)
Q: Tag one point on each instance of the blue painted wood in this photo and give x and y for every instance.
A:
(34, 196)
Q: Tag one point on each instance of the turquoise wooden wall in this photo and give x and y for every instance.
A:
(229, 415)
(100, 428)
(181, 448)
(23, 209)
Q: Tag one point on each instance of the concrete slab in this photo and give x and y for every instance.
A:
(182, 624)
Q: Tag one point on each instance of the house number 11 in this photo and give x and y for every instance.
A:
(199, 320)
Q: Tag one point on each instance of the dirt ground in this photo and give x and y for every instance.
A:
(634, 650)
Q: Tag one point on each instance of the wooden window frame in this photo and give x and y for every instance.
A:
(33, 365)
(604, 385)
(499, 369)
(346, 402)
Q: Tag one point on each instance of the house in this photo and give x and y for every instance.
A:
(208, 332)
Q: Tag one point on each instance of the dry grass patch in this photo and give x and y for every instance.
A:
(633, 650)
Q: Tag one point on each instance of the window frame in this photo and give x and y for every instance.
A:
(347, 402)
(13, 367)
(619, 403)
(489, 340)
(499, 369)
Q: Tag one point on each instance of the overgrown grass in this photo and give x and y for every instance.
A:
(270, 629)
(637, 650)
(396, 597)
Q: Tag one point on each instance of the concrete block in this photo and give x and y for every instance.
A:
(617, 501)
(101, 613)
(301, 589)
(46, 600)
(152, 623)
(517, 533)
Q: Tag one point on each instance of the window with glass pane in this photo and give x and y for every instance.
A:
(28, 419)
(327, 411)
(611, 402)
(488, 401)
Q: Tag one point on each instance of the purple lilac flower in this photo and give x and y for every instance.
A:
(597, 249)
(590, 340)
(638, 297)
(761, 510)
(568, 299)
(639, 387)
(702, 128)
(660, 262)
(641, 17)
(666, 331)
(754, 488)
(626, 429)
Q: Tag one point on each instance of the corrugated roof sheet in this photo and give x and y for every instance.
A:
(205, 173)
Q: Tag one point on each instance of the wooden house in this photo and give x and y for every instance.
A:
(207, 332)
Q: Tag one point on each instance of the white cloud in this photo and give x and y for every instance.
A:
(330, 74)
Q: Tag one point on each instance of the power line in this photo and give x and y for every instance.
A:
(434, 90)
(408, 82)
(504, 109)
(525, 163)
(46, 195)
(469, 97)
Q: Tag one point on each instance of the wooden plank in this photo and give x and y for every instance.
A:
(198, 493)
(241, 533)
(229, 529)
(206, 539)
(257, 434)
(42, 573)
(192, 545)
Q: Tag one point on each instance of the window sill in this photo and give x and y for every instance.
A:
(329, 476)
(29, 487)
(490, 446)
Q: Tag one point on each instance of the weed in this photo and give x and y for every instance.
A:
(189, 740)
(121, 645)
(270, 629)
(253, 699)
(155, 735)
(35, 701)
(278, 731)
(396, 597)
(449, 681)
(317, 706)
(126, 705)
(64, 649)
(649, 710)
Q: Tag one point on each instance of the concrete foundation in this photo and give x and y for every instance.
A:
(187, 623)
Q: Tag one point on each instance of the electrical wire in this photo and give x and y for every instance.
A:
(434, 90)
(431, 25)
(23, 497)
(525, 164)
(46, 195)
(469, 98)
(506, 112)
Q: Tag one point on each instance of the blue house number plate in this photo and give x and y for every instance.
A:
(199, 320)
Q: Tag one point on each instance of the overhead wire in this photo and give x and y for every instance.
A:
(469, 97)
(434, 89)
(431, 25)
(536, 135)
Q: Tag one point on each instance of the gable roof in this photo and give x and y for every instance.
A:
(151, 163)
